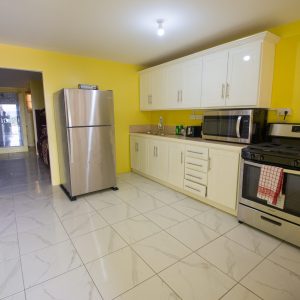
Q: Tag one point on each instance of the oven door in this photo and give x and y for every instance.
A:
(231, 126)
(291, 189)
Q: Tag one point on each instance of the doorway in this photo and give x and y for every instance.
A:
(23, 125)
(11, 133)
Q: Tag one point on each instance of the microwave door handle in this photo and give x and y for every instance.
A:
(238, 126)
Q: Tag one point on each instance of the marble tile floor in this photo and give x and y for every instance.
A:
(134, 244)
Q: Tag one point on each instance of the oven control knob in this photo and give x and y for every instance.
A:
(261, 158)
(252, 156)
(296, 162)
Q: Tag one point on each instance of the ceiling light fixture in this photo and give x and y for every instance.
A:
(160, 29)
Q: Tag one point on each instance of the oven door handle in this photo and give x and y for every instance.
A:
(287, 171)
(238, 126)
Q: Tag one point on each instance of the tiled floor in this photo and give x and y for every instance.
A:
(143, 242)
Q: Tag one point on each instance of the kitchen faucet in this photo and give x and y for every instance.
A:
(160, 126)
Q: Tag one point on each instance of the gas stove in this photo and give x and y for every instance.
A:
(283, 148)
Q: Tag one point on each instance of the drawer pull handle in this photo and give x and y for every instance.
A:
(194, 176)
(201, 153)
(194, 164)
(270, 220)
(193, 188)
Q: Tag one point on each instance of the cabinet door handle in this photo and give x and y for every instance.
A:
(223, 91)
(227, 90)
(181, 96)
(181, 157)
(154, 151)
(178, 96)
(137, 147)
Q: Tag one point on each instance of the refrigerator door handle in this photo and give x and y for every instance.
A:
(70, 142)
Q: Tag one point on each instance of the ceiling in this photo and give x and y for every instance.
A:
(17, 78)
(125, 30)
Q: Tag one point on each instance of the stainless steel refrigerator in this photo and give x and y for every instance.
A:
(86, 140)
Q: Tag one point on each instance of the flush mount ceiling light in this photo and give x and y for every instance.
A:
(160, 28)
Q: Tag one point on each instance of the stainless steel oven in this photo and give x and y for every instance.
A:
(240, 126)
(282, 220)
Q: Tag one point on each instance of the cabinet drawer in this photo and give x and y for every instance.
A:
(199, 165)
(195, 188)
(196, 152)
(196, 176)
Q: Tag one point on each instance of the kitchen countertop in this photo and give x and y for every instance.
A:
(192, 140)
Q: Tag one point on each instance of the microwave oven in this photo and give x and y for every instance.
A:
(239, 126)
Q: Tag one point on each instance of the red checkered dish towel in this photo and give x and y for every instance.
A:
(270, 183)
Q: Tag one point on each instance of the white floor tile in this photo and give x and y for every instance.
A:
(45, 264)
(272, 282)
(192, 234)
(74, 285)
(152, 289)
(25, 206)
(36, 218)
(191, 207)
(8, 226)
(150, 187)
(118, 272)
(102, 200)
(82, 224)
(11, 281)
(69, 209)
(96, 244)
(194, 278)
(136, 228)
(166, 216)
(218, 221)
(231, 258)
(41, 237)
(240, 293)
(169, 196)
(6, 208)
(118, 213)
(161, 250)
(19, 296)
(140, 200)
(253, 239)
(9, 247)
(288, 256)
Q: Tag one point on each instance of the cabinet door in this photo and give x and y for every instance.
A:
(158, 159)
(158, 88)
(176, 164)
(145, 91)
(174, 85)
(223, 177)
(243, 75)
(192, 81)
(134, 156)
(214, 79)
(138, 154)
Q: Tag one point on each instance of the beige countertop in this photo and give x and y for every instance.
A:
(192, 140)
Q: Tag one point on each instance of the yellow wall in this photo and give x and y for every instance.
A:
(62, 70)
(286, 83)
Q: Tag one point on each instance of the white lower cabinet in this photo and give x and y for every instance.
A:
(222, 177)
(139, 154)
(207, 171)
(158, 159)
(176, 164)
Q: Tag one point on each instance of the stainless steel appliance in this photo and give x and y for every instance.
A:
(239, 126)
(193, 131)
(86, 140)
(283, 150)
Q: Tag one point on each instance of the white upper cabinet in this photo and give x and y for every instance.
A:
(214, 79)
(183, 80)
(236, 74)
(152, 89)
(243, 75)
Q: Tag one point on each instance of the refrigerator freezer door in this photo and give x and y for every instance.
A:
(92, 159)
(88, 107)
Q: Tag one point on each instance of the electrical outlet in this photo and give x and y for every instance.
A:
(282, 111)
(196, 117)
